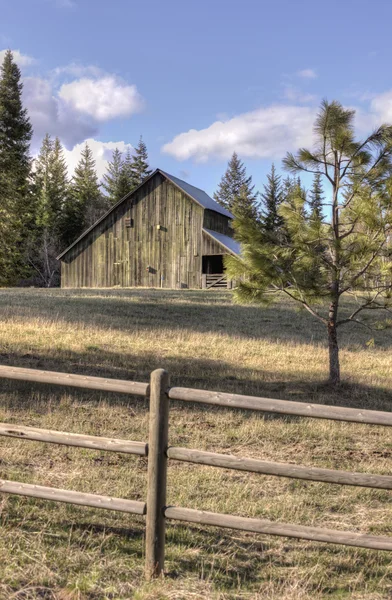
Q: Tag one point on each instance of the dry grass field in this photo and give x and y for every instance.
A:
(54, 551)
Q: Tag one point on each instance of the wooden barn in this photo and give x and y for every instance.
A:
(166, 233)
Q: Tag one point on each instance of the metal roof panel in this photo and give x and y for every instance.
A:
(224, 240)
(199, 195)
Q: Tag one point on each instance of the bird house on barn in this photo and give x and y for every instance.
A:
(166, 233)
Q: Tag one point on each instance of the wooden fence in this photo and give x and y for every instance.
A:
(159, 451)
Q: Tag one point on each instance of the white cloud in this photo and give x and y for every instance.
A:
(22, 60)
(72, 102)
(102, 99)
(102, 152)
(307, 73)
(48, 114)
(271, 131)
(378, 111)
(381, 105)
(268, 132)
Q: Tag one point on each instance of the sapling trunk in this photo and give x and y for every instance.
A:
(334, 365)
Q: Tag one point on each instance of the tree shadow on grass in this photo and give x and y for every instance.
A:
(227, 558)
(231, 559)
(197, 312)
(215, 375)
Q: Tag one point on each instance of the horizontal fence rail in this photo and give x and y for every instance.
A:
(159, 451)
(73, 439)
(287, 407)
(303, 532)
(253, 465)
(70, 497)
(120, 386)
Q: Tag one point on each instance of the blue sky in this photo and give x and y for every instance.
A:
(199, 79)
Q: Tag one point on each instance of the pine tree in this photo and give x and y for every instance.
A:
(115, 180)
(51, 193)
(16, 201)
(236, 183)
(244, 204)
(316, 198)
(139, 165)
(272, 198)
(319, 262)
(85, 203)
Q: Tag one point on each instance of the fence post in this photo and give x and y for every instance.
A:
(157, 469)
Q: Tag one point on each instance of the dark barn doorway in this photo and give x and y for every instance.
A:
(212, 264)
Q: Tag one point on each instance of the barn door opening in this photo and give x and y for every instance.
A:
(213, 264)
(213, 272)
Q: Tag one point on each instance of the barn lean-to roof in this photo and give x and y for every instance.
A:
(224, 240)
(196, 194)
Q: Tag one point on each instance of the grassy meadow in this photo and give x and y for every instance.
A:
(52, 551)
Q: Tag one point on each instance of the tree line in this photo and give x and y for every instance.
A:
(236, 193)
(42, 209)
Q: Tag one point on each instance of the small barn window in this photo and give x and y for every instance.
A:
(128, 222)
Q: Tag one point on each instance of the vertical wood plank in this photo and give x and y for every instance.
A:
(157, 471)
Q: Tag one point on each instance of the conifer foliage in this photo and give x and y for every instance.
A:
(235, 191)
(51, 191)
(16, 201)
(272, 198)
(115, 181)
(316, 198)
(85, 203)
(139, 166)
(125, 174)
(318, 262)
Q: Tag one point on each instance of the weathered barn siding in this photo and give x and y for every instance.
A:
(113, 254)
(217, 222)
(211, 246)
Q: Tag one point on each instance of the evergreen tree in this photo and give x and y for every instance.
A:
(139, 166)
(16, 201)
(245, 203)
(51, 191)
(318, 262)
(236, 183)
(288, 187)
(59, 184)
(272, 198)
(42, 183)
(115, 180)
(85, 203)
(316, 198)
(127, 171)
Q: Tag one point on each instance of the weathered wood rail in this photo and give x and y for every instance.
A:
(159, 452)
(217, 280)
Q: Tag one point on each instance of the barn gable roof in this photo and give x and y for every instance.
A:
(198, 195)
(193, 192)
(224, 240)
